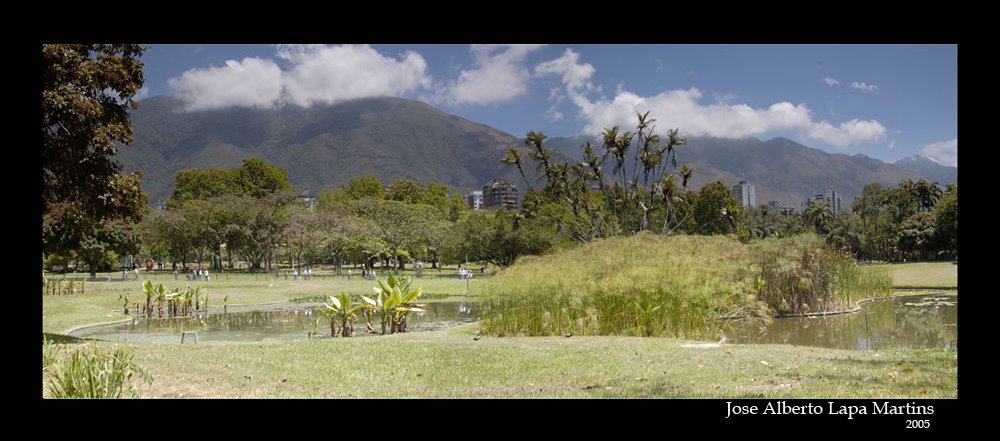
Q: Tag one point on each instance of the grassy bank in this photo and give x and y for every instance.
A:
(678, 286)
(451, 364)
(924, 274)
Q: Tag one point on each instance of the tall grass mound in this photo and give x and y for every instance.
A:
(642, 285)
(800, 275)
(679, 286)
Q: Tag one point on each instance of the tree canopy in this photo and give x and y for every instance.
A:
(87, 91)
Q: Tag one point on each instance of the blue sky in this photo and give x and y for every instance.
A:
(885, 101)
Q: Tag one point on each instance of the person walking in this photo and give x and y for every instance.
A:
(175, 274)
(349, 274)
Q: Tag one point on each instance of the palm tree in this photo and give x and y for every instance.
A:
(927, 194)
(514, 158)
(819, 215)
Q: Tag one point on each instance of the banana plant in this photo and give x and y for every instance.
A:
(150, 291)
(331, 317)
(394, 302)
(124, 296)
(196, 293)
(343, 309)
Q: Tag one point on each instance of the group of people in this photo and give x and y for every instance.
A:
(193, 274)
(125, 271)
(464, 273)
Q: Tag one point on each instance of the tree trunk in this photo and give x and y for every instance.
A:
(434, 263)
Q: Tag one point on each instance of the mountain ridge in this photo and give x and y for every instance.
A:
(323, 147)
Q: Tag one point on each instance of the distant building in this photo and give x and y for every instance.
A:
(474, 200)
(832, 198)
(499, 194)
(310, 201)
(783, 209)
(745, 193)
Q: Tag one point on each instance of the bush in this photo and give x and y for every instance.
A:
(91, 373)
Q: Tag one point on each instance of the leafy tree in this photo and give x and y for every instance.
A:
(87, 91)
(406, 191)
(915, 237)
(201, 184)
(256, 178)
(716, 211)
(497, 238)
(393, 222)
(364, 187)
(945, 216)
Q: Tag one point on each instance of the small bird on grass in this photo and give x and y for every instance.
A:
(477, 337)
(568, 334)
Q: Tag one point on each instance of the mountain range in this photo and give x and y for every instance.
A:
(323, 147)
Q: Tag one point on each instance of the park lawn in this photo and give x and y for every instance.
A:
(99, 302)
(924, 274)
(444, 364)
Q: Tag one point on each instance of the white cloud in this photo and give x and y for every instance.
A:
(866, 88)
(846, 133)
(892, 144)
(499, 75)
(253, 82)
(319, 74)
(575, 76)
(142, 93)
(682, 108)
(944, 152)
(830, 81)
(552, 115)
(328, 74)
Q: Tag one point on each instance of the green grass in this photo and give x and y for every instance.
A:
(924, 274)
(99, 303)
(450, 364)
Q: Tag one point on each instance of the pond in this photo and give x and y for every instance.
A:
(929, 321)
(268, 326)
(911, 322)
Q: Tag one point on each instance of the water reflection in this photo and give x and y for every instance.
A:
(901, 323)
(262, 326)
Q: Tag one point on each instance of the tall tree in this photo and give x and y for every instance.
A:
(716, 211)
(394, 222)
(87, 91)
(946, 218)
(819, 215)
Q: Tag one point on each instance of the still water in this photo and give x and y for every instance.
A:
(269, 326)
(929, 321)
(911, 322)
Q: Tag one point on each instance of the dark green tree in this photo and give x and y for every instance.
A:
(87, 91)
(716, 211)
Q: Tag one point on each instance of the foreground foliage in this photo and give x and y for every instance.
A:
(91, 372)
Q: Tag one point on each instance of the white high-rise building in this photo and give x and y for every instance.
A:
(474, 200)
(832, 198)
(745, 193)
